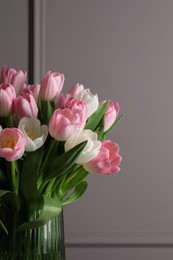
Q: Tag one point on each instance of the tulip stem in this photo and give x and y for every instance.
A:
(40, 179)
(53, 142)
(49, 186)
(13, 177)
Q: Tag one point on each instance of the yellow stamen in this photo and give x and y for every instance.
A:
(8, 143)
(31, 134)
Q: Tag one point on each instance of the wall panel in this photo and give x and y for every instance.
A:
(121, 50)
(14, 34)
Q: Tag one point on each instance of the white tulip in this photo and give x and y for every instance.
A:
(90, 99)
(90, 150)
(35, 134)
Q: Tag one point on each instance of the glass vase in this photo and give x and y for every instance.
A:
(42, 243)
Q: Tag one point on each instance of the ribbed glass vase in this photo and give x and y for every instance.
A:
(42, 243)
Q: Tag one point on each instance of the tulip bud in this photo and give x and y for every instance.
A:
(7, 96)
(51, 86)
(63, 99)
(76, 89)
(79, 107)
(33, 90)
(63, 123)
(90, 99)
(15, 78)
(25, 106)
(110, 114)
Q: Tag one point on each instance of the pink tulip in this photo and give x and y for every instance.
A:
(76, 89)
(80, 93)
(79, 107)
(51, 86)
(25, 106)
(12, 144)
(33, 90)
(110, 114)
(67, 101)
(90, 100)
(107, 161)
(15, 78)
(7, 96)
(64, 123)
(63, 99)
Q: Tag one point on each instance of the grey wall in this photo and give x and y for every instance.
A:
(122, 50)
(14, 34)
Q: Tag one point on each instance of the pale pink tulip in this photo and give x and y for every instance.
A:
(79, 107)
(110, 114)
(63, 99)
(51, 86)
(33, 90)
(107, 161)
(7, 96)
(76, 89)
(15, 78)
(12, 144)
(80, 93)
(25, 106)
(63, 123)
(90, 100)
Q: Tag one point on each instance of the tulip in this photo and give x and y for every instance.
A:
(76, 89)
(110, 114)
(90, 150)
(90, 99)
(63, 123)
(34, 133)
(15, 78)
(107, 161)
(25, 106)
(62, 100)
(12, 144)
(67, 101)
(85, 95)
(7, 96)
(33, 90)
(51, 86)
(79, 107)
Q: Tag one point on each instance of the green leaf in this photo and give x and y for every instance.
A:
(9, 122)
(112, 127)
(3, 179)
(47, 112)
(11, 199)
(65, 161)
(72, 180)
(31, 225)
(28, 178)
(2, 226)
(95, 118)
(50, 208)
(77, 193)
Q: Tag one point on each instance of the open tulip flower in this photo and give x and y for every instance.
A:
(50, 141)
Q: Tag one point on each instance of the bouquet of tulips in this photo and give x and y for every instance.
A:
(49, 142)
